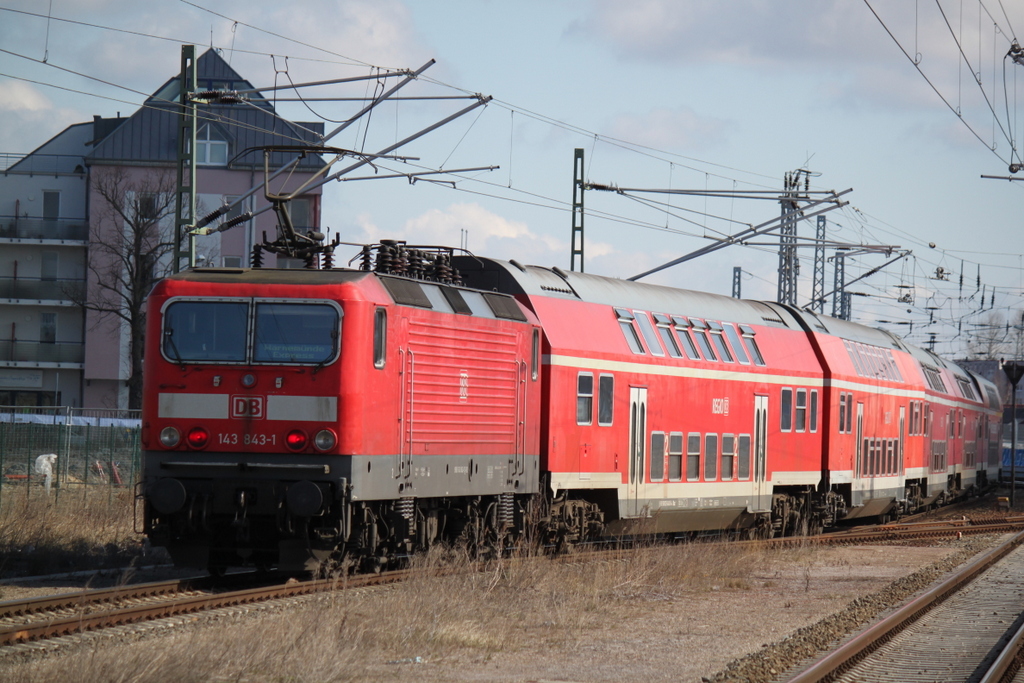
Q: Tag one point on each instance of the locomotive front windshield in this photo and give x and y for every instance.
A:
(219, 332)
(294, 333)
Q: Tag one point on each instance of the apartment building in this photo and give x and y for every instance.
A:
(60, 231)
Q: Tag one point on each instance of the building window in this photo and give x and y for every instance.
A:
(211, 147)
(605, 397)
(48, 328)
(584, 398)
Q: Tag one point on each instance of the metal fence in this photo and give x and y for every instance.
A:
(94, 448)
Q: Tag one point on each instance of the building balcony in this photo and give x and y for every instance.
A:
(42, 164)
(36, 289)
(35, 352)
(14, 227)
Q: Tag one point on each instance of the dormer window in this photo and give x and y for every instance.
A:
(211, 147)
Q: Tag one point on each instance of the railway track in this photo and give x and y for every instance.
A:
(954, 631)
(24, 624)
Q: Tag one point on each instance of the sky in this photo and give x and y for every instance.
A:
(907, 104)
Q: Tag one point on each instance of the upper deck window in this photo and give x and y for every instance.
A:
(625, 319)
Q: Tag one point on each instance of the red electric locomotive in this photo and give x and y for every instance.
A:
(295, 416)
(292, 415)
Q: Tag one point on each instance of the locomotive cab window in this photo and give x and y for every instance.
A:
(295, 333)
(380, 337)
(205, 331)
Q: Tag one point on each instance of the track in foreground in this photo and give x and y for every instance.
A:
(953, 631)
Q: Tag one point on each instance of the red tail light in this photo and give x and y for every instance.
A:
(198, 437)
(296, 440)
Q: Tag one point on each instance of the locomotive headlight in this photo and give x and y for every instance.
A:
(325, 440)
(248, 380)
(296, 439)
(170, 437)
(198, 437)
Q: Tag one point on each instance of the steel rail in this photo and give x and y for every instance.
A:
(855, 649)
(11, 634)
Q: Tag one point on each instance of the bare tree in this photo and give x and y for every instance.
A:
(131, 246)
(991, 339)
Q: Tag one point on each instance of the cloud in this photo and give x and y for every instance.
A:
(663, 128)
(16, 96)
(483, 231)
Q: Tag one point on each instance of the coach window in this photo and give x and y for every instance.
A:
(801, 410)
(737, 345)
(748, 341)
(380, 337)
(743, 457)
(710, 457)
(535, 355)
(664, 325)
(657, 456)
(584, 398)
(682, 326)
(842, 412)
(849, 413)
(675, 456)
(649, 336)
(786, 408)
(628, 330)
(699, 328)
(814, 410)
(728, 456)
(719, 341)
(605, 398)
(693, 457)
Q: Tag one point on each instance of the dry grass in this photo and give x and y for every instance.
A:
(78, 528)
(439, 616)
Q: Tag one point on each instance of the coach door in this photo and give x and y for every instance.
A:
(762, 497)
(637, 442)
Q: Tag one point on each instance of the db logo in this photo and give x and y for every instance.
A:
(247, 406)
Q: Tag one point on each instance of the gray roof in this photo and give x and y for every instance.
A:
(150, 134)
